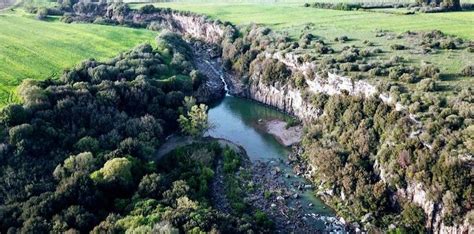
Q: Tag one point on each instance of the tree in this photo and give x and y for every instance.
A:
(30, 93)
(117, 171)
(413, 217)
(195, 123)
(451, 208)
(75, 164)
(152, 185)
(87, 144)
(20, 132)
(13, 114)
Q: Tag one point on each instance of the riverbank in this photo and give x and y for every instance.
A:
(287, 136)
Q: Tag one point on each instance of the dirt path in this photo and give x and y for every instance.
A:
(172, 142)
(218, 194)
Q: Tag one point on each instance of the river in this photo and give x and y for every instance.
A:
(237, 120)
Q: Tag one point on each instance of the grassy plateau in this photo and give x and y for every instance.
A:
(294, 19)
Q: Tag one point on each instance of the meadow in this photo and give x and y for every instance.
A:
(36, 49)
(293, 18)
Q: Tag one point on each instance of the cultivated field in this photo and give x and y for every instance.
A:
(36, 49)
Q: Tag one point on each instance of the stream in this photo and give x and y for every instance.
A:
(236, 119)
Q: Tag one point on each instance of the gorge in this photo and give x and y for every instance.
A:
(366, 153)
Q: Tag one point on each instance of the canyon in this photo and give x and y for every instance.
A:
(286, 98)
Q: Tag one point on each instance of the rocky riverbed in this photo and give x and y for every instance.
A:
(283, 201)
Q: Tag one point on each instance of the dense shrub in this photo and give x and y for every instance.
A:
(354, 135)
(427, 85)
(42, 13)
(429, 70)
(397, 47)
(274, 71)
(447, 44)
(468, 71)
(79, 147)
(335, 6)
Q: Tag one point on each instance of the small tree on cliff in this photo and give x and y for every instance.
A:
(194, 123)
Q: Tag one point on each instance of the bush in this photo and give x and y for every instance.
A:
(448, 44)
(394, 73)
(322, 49)
(375, 72)
(429, 71)
(377, 51)
(468, 71)
(291, 122)
(274, 71)
(413, 217)
(347, 56)
(42, 13)
(397, 47)
(365, 53)
(427, 85)
(368, 43)
(67, 18)
(348, 67)
(342, 39)
(147, 9)
(262, 220)
(408, 78)
(299, 80)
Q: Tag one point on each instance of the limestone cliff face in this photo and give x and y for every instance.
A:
(284, 98)
(291, 100)
(418, 195)
(190, 25)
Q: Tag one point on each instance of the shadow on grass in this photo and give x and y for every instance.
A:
(451, 77)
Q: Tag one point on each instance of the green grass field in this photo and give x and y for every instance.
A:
(36, 49)
(330, 23)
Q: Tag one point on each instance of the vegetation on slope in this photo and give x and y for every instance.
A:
(78, 153)
(367, 150)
